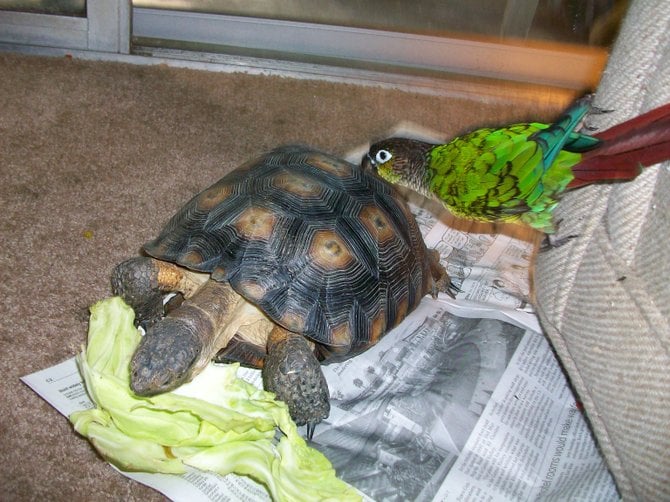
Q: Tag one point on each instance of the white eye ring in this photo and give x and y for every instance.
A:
(383, 156)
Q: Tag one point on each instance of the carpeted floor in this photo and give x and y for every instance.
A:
(94, 157)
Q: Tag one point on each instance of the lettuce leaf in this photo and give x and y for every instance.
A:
(218, 422)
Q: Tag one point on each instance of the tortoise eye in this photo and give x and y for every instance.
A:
(383, 156)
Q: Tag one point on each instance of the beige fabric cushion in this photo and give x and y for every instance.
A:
(604, 298)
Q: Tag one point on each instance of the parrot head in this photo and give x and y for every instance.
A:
(400, 161)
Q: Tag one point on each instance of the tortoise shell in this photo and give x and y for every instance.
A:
(323, 247)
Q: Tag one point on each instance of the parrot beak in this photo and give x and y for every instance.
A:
(367, 162)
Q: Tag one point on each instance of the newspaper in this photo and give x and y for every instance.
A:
(464, 400)
(458, 408)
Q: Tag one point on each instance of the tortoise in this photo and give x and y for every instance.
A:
(293, 259)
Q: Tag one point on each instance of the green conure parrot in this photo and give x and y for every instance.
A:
(517, 173)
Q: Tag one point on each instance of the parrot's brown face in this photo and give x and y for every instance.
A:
(399, 161)
(382, 159)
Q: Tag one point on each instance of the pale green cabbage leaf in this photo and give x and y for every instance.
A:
(217, 423)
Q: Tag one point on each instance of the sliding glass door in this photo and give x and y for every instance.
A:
(591, 22)
(560, 43)
(92, 25)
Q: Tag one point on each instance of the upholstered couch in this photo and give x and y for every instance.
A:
(604, 298)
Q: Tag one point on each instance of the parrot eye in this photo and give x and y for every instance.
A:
(383, 156)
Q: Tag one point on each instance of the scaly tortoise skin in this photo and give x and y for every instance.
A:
(329, 253)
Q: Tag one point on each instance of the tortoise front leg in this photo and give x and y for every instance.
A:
(294, 374)
(142, 281)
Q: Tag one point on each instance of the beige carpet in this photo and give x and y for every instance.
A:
(94, 157)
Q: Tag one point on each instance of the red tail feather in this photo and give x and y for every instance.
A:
(627, 148)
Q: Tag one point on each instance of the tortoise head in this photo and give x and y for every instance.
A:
(166, 357)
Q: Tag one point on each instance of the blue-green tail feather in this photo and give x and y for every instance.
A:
(554, 138)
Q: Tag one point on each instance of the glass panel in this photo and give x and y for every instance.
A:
(591, 22)
(75, 8)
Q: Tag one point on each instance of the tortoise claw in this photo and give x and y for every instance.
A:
(452, 290)
(311, 427)
(445, 285)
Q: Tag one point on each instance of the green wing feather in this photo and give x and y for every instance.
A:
(509, 174)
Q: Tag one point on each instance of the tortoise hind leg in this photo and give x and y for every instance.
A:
(241, 351)
(441, 280)
(294, 374)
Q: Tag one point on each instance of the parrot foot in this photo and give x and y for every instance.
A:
(595, 111)
(599, 111)
(551, 241)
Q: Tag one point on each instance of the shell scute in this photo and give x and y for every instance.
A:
(321, 246)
